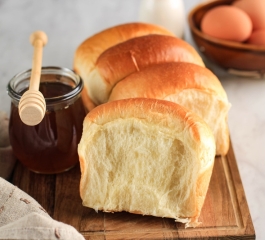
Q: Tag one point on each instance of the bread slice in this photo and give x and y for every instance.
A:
(89, 50)
(187, 84)
(146, 156)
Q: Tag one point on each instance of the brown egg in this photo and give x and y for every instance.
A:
(228, 23)
(257, 37)
(256, 11)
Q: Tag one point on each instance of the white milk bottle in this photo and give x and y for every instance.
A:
(169, 14)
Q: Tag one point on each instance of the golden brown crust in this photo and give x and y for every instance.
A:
(89, 50)
(202, 187)
(88, 103)
(83, 169)
(137, 53)
(164, 79)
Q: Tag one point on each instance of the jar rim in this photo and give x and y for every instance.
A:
(49, 70)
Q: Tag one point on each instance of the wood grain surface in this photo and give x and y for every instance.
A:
(225, 214)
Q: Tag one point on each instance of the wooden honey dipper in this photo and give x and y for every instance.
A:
(32, 104)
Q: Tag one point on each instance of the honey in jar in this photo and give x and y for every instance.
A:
(51, 146)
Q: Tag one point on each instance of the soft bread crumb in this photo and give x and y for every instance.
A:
(131, 164)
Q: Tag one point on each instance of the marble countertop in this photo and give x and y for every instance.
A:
(67, 23)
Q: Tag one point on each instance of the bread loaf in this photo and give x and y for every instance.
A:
(187, 84)
(101, 72)
(89, 50)
(146, 156)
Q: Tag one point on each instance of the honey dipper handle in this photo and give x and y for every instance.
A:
(38, 40)
(32, 105)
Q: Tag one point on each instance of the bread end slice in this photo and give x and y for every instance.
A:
(146, 156)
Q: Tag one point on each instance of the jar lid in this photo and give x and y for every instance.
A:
(50, 74)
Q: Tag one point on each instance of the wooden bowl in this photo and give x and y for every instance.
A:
(233, 56)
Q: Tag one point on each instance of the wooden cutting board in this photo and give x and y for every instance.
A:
(225, 214)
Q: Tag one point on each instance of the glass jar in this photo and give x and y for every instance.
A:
(51, 146)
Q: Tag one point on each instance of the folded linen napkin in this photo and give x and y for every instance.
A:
(21, 217)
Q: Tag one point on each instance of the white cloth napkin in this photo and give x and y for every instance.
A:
(22, 217)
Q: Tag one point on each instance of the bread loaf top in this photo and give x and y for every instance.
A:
(89, 50)
(107, 57)
(157, 112)
(161, 80)
(133, 55)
